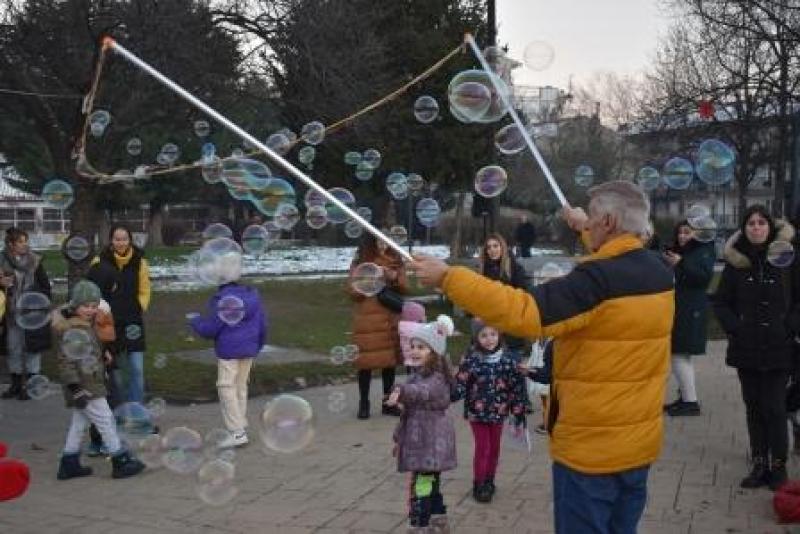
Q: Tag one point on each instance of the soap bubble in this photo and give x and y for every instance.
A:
(77, 248)
(218, 262)
(338, 355)
(157, 406)
(538, 55)
(780, 253)
(77, 344)
(353, 229)
(230, 310)
(306, 155)
(211, 168)
(397, 183)
(217, 445)
(428, 212)
(364, 170)
(287, 424)
(133, 419)
(336, 215)
(244, 173)
(426, 109)
(313, 132)
(471, 99)
(491, 181)
(415, 182)
(697, 210)
(290, 135)
(316, 217)
(279, 143)
(367, 279)
(148, 449)
(337, 402)
(183, 450)
(705, 229)
(496, 58)
(216, 230)
(314, 198)
(678, 173)
(96, 130)
(365, 212)
(465, 95)
(208, 150)
(648, 178)
(276, 192)
(509, 140)
(350, 352)
(160, 361)
(170, 153)
(215, 483)
(38, 387)
(133, 332)
(98, 121)
(286, 216)
(134, 146)
(714, 161)
(352, 158)
(33, 310)
(255, 239)
(584, 176)
(398, 234)
(58, 194)
(202, 128)
(372, 157)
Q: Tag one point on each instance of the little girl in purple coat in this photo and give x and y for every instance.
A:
(237, 322)
(425, 438)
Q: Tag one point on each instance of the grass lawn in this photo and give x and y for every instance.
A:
(56, 266)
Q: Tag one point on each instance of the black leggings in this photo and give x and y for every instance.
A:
(764, 394)
(365, 377)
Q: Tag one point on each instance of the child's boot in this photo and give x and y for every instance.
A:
(484, 493)
(439, 522)
(419, 515)
(70, 467)
(15, 387)
(490, 485)
(124, 465)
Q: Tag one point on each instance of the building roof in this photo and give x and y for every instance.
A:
(10, 193)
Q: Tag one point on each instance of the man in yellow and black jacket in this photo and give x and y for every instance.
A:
(611, 318)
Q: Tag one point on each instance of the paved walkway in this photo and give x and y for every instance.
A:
(345, 480)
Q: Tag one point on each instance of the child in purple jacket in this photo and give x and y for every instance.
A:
(236, 320)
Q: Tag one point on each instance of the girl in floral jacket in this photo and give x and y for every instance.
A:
(492, 389)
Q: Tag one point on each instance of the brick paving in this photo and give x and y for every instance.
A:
(345, 480)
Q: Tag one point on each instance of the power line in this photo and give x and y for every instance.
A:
(40, 95)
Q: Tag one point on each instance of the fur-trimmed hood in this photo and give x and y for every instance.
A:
(734, 255)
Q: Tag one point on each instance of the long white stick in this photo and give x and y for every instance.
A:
(522, 130)
(297, 173)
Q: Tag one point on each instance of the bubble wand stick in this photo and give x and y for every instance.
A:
(111, 43)
(513, 113)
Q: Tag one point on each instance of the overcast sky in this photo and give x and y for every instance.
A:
(586, 35)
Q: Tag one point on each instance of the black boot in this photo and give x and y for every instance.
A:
(484, 493)
(684, 408)
(674, 403)
(759, 474)
(70, 467)
(124, 465)
(23, 392)
(15, 387)
(777, 474)
(419, 514)
(363, 409)
(490, 485)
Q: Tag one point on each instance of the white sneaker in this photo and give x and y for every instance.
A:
(236, 439)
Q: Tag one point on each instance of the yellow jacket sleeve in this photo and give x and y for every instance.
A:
(586, 242)
(144, 285)
(2, 305)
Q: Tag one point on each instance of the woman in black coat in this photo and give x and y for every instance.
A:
(693, 263)
(758, 305)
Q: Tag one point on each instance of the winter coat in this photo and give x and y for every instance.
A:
(29, 275)
(692, 276)
(525, 234)
(611, 320)
(491, 386)
(124, 282)
(243, 339)
(374, 325)
(518, 279)
(425, 435)
(758, 304)
(89, 373)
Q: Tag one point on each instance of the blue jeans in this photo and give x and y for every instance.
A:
(135, 373)
(598, 504)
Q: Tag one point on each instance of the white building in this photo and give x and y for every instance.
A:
(46, 226)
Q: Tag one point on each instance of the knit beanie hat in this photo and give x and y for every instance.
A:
(84, 292)
(412, 311)
(434, 334)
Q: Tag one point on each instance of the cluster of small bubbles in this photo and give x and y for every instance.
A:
(286, 216)
(352, 158)
(714, 161)
(183, 450)
(77, 344)
(538, 55)
(415, 182)
(216, 230)
(33, 310)
(584, 176)
(367, 279)
(338, 355)
(337, 402)
(77, 248)
(38, 387)
(350, 352)
(279, 143)
(211, 169)
(365, 212)
(202, 128)
(372, 157)
(337, 215)
(697, 210)
(157, 407)
(648, 178)
(306, 156)
(780, 253)
(313, 132)
(704, 228)
(218, 262)
(133, 332)
(477, 96)
(160, 361)
(428, 212)
(149, 450)
(99, 121)
(217, 445)
(215, 482)
(678, 173)
(491, 181)
(426, 109)
(287, 424)
(255, 240)
(353, 229)
(398, 234)
(169, 154)
(133, 420)
(230, 310)
(58, 194)
(316, 217)
(134, 146)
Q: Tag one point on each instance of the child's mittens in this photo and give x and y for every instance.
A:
(80, 396)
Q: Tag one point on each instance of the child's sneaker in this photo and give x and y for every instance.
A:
(236, 439)
(540, 429)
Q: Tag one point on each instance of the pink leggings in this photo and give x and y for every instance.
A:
(487, 449)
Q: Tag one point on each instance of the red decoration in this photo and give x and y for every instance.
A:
(705, 108)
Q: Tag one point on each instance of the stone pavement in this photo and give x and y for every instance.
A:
(345, 481)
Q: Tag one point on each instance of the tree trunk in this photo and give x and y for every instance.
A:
(85, 221)
(455, 243)
(155, 225)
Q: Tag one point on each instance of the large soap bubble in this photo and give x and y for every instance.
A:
(538, 55)
(217, 445)
(215, 482)
(157, 407)
(255, 239)
(183, 450)
(244, 173)
(230, 310)
(426, 109)
(648, 178)
(316, 217)
(471, 102)
(337, 215)
(58, 194)
(133, 420)
(470, 99)
(216, 230)
(714, 161)
(218, 262)
(313, 132)
(77, 344)
(33, 310)
(287, 424)
(286, 216)
(428, 212)
(678, 173)
(149, 450)
(780, 253)
(491, 181)
(367, 279)
(584, 176)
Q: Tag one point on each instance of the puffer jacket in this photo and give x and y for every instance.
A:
(88, 373)
(692, 276)
(611, 319)
(758, 304)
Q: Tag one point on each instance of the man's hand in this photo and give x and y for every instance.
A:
(672, 258)
(430, 271)
(575, 218)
